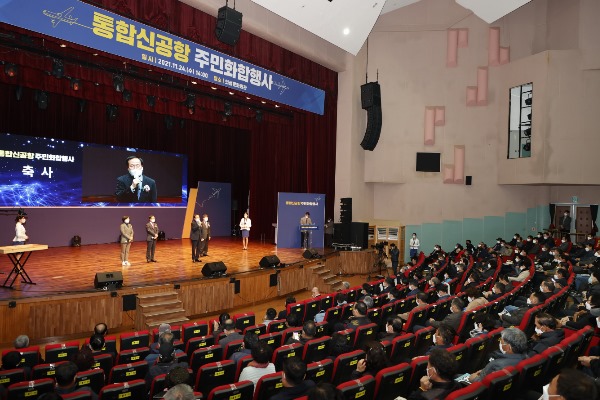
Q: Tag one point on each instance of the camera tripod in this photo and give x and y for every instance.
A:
(378, 264)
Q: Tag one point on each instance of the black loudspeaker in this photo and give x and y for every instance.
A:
(129, 301)
(341, 233)
(272, 280)
(370, 95)
(269, 261)
(468, 180)
(214, 269)
(359, 234)
(310, 253)
(374, 121)
(346, 209)
(229, 25)
(106, 280)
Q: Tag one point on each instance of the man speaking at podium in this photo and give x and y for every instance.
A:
(134, 187)
(304, 234)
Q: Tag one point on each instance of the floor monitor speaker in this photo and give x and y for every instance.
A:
(269, 261)
(214, 269)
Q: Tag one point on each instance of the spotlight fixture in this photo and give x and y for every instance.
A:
(81, 103)
(259, 116)
(229, 25)
(137, 115)
(190, 101)
(228, 110)
(118, 83)
(41, 98)
(58, 68)
(75, 84)
(126, 95)
(19, 92)
(151, 100)
(10, 69)
(112, 112)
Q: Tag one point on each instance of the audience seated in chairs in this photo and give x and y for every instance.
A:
(165, 337)
(512, 316)
(230, 332)
(421, 300)
(338, 345)
(585, 315)
(358, 318)
(270, 316)
(180, 392)
(571, 384)
(260, 365)
(496, 292)
(483, 324)
(325, 391)
(475, 298)
(375, 360)
(309, 331)
(439, 379)
(442, 338)
(393, 328)
(250, 340)
(294, 385)
(512, 350)
(166, 362)
(452, 319)
(546, 334)
(65, 380)
(176, 376)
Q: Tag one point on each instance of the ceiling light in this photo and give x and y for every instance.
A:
(58, 68)
(276, 105)
(118, 83)
(10, 69)
(247, 98)
(346, 31)
(75, 84)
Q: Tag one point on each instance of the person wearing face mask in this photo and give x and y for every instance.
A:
(195, 237)
(534, 248)
(245, 225)
(469, 246)
(517, 313)
(586, 314)
(204, 235)
(393, 329)
(522, 270)
(589, 240)
(475, 298)
(570, 384)
(560, 278)
(422, 303)
(442, 338)
(438, 382)
(413, 288)
(512, 348)
(375, 360)
(565, 245)
(452, 319)
(564, 224)
(414, 244)
(483, 324)
(151, 238)
(135, 187)
(546, 334)
(496, 292)
(513, 242)
(126, 239)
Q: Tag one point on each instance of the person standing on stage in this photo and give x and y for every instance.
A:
(126, 239)
(414, 245)
(204, 235)
(195, 237)
(151, 237)
(304, 234)
(20, 234)
(245, 225)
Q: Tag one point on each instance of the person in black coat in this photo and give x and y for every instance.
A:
(438, 381)
(546, 334)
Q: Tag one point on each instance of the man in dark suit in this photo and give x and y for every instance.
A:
(204, 235)
(151, 237)
(565, 225)
(195, 237)
(134, 187)
(452, 319)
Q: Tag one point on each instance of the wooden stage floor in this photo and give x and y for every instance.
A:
(70, 270)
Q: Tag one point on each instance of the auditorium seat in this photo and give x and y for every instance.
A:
(298, 309)
(244, 320)
(423, 340)
(10, 376)
(135, 389)
(239, 390)
(232, 347)
(418, 366)
(215, 374)
(349, 334)
(387, 347)
(133, 340)
(128, 372)
(110, 344)
(472, 392)
(333, 315)
(193, 329)
(311, 308)
(132, 355)
(316, 349)
(77, 396)
(205, 355)
(46, 370)
(416, 318)
(198, 342)
(326, 301)
(175, 330)
(274, 339)
(56, 352)
(288, 333)
(344, 365)
(322, 329)
(30, 356)
(374, 315)
(402, 348)
(477, 352)
(392, 382)
(241, 364)
(276, 326)
(501, 384)
(259, 329)
(30, 389)
(459, 351)
(320, 371)
(268, 385)
(157, 387)
(363, 388)
(284, 352)
(93, 378)
(365, 333)
(531, 373)
(104, 362)
(555, 359)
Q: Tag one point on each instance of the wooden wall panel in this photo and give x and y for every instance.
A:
(207, 296)
(292, 279)
(357, 262)
(255, 288)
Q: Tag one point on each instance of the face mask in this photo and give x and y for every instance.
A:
(136, 173)
(434, 339)
(502, 349)
(597, 254)
(494, 290)
(427, 372)
(497, 241)
(588, 306)
(598, 322)
(556, 277)
(470, 299)
(535, 241)
(528, 301)
(529, 239)
(563, 240)
(197, 219)
(127, 221)
(152, 220)
(205, 219)
(538, 331)
(514, 237)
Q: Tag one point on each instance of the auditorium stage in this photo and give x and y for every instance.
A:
(65, 270)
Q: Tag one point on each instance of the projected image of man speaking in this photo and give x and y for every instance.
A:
(135, 187)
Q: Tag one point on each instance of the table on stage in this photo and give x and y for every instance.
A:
(18, 256)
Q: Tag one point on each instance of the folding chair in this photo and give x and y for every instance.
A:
(477, 351)
(232, 347)
(501, 384)
(392, 382)
(133, 340)
(363, 388)
(135, 389)
(128, 372)
(215, 374)
(61, 351)
(239, 390)
(104, 362)
(259, 329)
(30, 389)
(364, 333)
(344, 365)
(30, 356)
(320, 371)
(268, 385)
(276, 326)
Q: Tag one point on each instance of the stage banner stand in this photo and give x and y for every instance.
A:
(290, 208)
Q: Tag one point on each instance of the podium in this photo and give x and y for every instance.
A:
(305, 235)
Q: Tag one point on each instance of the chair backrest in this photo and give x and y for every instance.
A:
(333, 314)
(268, 385)
(416, 317)
(466, 324)
(423, 339)
(175, 330)
(30, 389)
(365, 333)
(198, 342)
(531, 372)
(10, 376)
(93, 378)
(110, 344)
(205, 355)
(259, 329)
(311, 308)
(215, 374)
(104, 362)
(45, 370)
(239, 390)
(133, 340)
(287, 334)
(316, 349)
(320, 371)
(132, 355)
(286, 351)
(241, 364)
(459, 352)
(362, 388)
(81, 395)
(135, 389)
(244, 320)
(501, 384)
(477, 351)
(402, 348)
(555, 357)
(374, 315)
(326, 301)
(344, 365)
(441, 309)
(298, 309)
(158, 385)
(232, 347)
(128, 372)
(276, 326)
(528, 322)
(193, 329)
(30, 356)
(322, 329)
(406, 305)
(273, 339)
(392, 382)
(471, 392)
(61, 351)
(418, 366)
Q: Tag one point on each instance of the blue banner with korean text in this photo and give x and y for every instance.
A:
(291, 207)
(99, 29)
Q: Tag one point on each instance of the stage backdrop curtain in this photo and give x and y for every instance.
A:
(294, 152)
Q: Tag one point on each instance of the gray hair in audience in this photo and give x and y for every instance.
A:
(179, 392)
(21, 342)
(346, 285)
(516, 338)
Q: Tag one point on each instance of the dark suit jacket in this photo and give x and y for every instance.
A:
(565, 223)
(204, 230)
(125, 195)
(151, 230)
(195, 232)
(452, 319)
